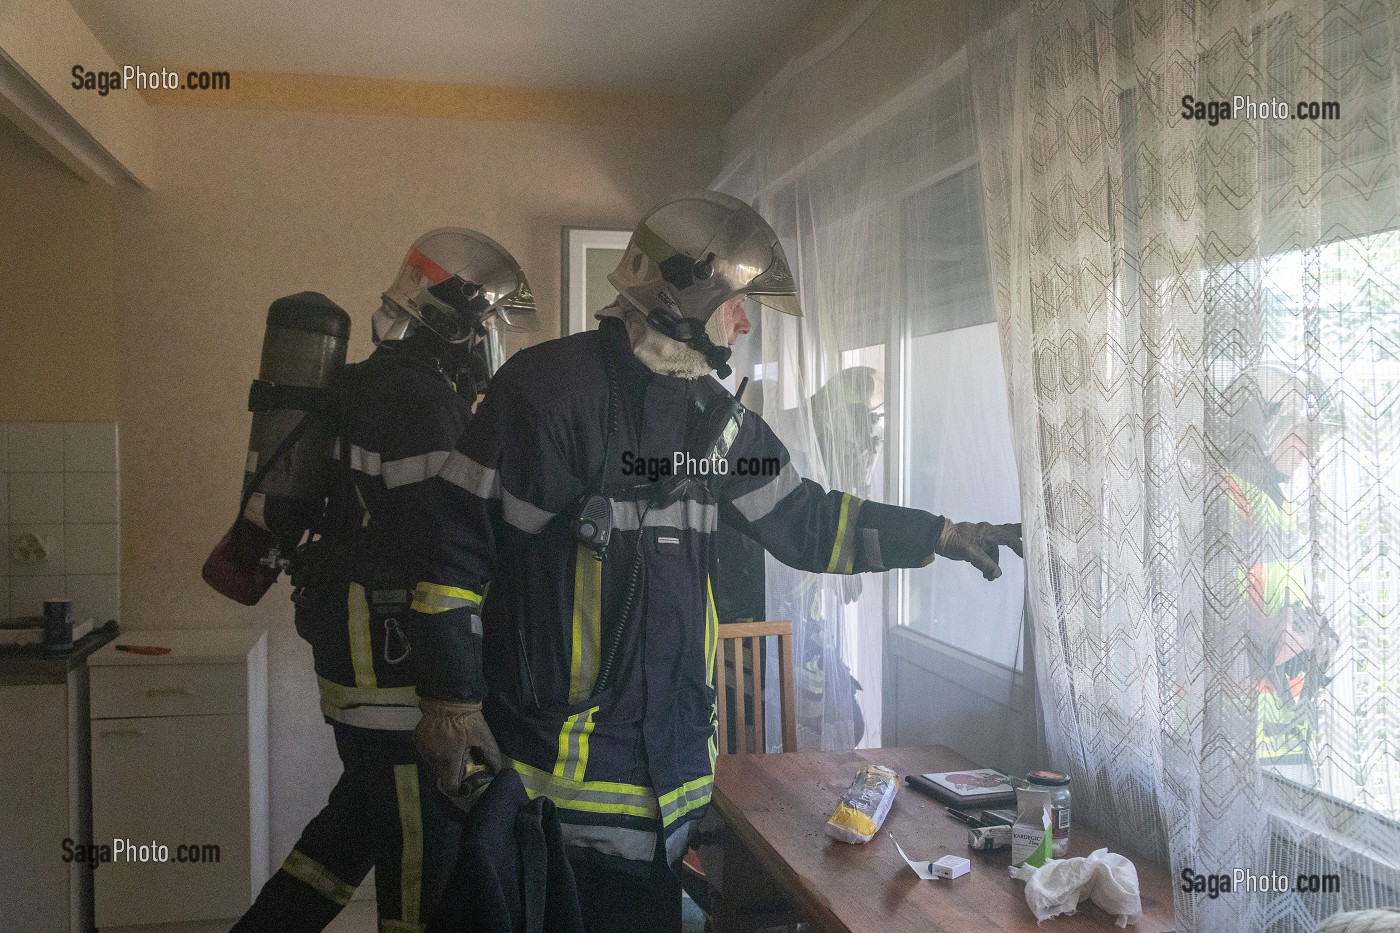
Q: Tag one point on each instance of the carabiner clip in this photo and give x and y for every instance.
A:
(392, 632)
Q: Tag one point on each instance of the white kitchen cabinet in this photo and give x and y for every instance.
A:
(179, 766)
(44, 770)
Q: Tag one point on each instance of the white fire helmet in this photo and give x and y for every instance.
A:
(453, 282)
(696, 251)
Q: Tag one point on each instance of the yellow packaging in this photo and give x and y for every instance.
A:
(861, 812)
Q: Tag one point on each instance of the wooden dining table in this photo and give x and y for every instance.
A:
(775, 809)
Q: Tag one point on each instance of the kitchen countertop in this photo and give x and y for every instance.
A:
(187, 646)
(31, 664)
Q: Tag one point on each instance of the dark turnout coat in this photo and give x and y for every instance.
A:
(629, 768)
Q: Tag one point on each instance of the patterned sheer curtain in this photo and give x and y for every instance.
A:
(1200, 319)
(878, 207)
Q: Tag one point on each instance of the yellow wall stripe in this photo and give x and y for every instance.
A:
(255, 90)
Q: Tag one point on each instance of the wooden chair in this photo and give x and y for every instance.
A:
(741, 665)
(744, 668)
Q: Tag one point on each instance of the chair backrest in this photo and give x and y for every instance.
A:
(742, 670)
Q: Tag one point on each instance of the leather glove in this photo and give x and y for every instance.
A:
(977, 544)
(458, 745)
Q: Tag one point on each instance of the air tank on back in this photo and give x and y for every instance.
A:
(304, 347)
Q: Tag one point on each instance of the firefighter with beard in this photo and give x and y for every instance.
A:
(600, 629)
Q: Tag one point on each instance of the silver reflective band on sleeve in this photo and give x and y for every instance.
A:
(687, 515)
(413, 469)
(637, 845)
(364, 461)
(754, 505)
(679, 841)
(528, 518)
(464, 472)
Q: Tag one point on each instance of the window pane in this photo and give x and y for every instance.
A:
(960, 464)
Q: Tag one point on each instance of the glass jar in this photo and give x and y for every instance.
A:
(1055, 786)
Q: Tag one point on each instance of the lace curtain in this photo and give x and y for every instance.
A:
(1201, 329)
(880, 217)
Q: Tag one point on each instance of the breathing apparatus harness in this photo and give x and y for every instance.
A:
(716, 428)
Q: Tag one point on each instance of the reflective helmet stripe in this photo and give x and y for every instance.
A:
(425, 267)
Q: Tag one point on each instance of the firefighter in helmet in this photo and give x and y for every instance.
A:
(600, 629)
(387, 567)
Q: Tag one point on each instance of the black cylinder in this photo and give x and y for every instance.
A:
(304, 346)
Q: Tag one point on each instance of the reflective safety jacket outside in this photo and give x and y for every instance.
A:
(630, 768)
(403, 419)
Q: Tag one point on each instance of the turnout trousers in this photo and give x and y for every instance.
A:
(385, 813)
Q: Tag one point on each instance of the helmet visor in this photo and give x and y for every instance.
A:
(750, 260)
(787, 304)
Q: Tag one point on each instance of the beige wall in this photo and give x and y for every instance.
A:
(57, 306)
(840, 64)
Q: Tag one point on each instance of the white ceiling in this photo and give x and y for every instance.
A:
(652, 46)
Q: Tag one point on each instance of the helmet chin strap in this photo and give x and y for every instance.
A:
(716, 356)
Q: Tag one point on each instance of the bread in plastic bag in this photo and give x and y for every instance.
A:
(1108, 879)
(859, 815)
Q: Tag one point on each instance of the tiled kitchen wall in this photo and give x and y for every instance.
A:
(60, 517)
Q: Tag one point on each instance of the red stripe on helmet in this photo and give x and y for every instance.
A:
(428, 269)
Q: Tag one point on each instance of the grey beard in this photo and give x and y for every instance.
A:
(659, 353)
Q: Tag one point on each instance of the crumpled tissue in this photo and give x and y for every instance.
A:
(1108, 879)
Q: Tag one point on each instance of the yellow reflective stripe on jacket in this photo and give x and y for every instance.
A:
(588, 621)
(573, 745)
(685, 798)
(711, 632)
(432, 598)
(843, 552)
(361, 647)
(318, 877)
(411, 833)
(588, 796)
